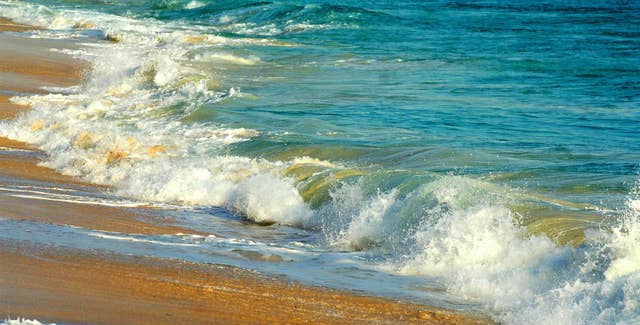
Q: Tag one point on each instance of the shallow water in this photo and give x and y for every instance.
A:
(482, 155)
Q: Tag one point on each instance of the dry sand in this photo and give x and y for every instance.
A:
(79, 286)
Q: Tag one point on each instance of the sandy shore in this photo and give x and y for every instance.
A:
(80, 286)
(7, 25)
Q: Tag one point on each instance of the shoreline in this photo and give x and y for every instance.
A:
(71, 285)
(84, 287)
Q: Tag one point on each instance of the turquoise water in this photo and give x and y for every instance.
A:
(547, 92)
(489, 147)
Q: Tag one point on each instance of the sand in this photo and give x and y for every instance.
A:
(27, 64)
(81, 286)
(9, 110)
(8, 25)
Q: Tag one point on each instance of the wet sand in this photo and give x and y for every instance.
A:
(80, 286)
(9, 110)
(28, 64)
(7, 25)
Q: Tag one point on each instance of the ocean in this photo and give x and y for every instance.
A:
(479, 156)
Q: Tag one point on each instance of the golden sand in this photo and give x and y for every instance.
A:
(77, 287)
(89, 216)
(11, 26)
(9, 110)
(82, 287)
(32, 59)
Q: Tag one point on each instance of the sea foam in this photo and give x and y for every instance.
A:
(483, 254)
(23, 321)
(121, 126)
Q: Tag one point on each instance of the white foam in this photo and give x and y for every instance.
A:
(116, 130)
(229, 58)
(300, 27)
(306, 160)
(23, 321)
(624, 242)
(139, 240)
(194, 4)
(21, 192)
(14, 149)
(367, 225)
(478, 250)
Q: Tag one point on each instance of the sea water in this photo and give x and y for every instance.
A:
(479, 156)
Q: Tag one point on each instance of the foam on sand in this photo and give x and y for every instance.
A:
(116, 129)
(23, 321)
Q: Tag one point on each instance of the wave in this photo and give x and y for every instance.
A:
(483, 254)
(127, 126)
(123, 126)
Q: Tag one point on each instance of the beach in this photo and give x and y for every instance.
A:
(81, 287)
(73, 285)
(320, 161)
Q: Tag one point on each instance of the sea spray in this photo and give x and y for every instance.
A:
(483, 254)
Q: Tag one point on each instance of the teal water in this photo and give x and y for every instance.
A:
(547, 92)
(490, 147)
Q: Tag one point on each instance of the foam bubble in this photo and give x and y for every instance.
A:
(194, 4)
